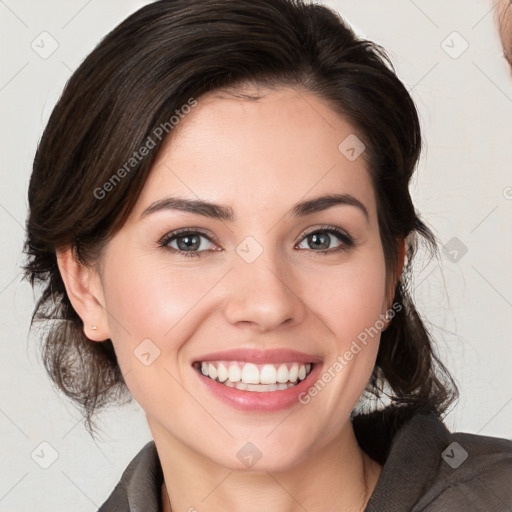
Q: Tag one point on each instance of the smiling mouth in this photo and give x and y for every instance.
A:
(247, 376)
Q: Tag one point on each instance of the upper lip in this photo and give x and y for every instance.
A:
(276, 355)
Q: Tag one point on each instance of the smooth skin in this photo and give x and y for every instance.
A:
(258, 157)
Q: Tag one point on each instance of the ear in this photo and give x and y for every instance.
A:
(401, 259)
(85, 291)
(398, 273)
(399, 269)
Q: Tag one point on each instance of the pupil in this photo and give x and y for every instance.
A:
(188, 242)
(317, 238)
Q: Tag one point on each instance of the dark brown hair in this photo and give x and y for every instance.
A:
(134, 81)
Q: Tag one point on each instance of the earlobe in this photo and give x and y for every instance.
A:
(85, 293)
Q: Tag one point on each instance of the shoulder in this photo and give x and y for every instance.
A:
(475, 473)
(139, 487)
(428, 468)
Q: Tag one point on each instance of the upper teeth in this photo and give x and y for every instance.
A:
(250, 373)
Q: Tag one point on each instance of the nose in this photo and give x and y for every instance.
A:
(263, 294)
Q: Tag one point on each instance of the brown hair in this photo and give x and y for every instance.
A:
(134, 81)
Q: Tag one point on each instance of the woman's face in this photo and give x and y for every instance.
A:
(271, 279)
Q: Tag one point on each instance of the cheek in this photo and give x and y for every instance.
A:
(148, 317)
(351, 301)
(149, 301)
(145, 294)
(350, 298)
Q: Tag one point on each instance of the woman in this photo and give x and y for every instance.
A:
(220, 215)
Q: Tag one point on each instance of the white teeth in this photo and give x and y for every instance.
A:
(252, 377)
(294, 372)
(268, 374)
(222, 372)
(250, 374)
(282, 374)
(212, 371)
(234, 373)
(258, 387)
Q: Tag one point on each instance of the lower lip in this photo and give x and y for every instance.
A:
(263, 401)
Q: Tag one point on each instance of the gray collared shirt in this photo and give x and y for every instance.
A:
(425, 468)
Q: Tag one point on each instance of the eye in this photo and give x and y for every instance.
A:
(187, 242)
(195, 243)
(321, 239)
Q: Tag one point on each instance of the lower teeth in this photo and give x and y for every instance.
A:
(258, 387)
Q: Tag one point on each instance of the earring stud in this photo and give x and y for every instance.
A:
(94, 328)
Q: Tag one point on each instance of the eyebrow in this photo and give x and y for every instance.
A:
(221, 212)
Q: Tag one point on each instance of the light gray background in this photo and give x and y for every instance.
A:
(463, 189)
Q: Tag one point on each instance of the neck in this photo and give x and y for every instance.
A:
(338, 473)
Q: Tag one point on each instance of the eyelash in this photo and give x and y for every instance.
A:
(347, 241)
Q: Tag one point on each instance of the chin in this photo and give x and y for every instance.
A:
(260, 454)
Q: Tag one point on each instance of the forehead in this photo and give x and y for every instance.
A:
(254, 154)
